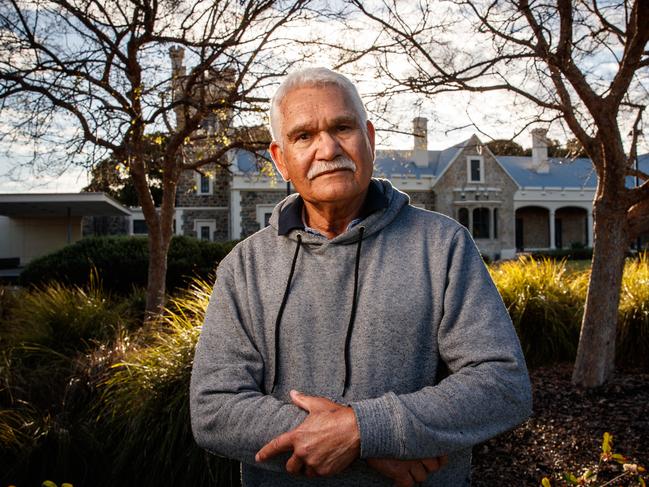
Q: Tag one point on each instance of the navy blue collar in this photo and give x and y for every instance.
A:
(290, 218)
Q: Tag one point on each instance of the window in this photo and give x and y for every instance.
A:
(475, 169)
(204, 229)
(495, 222)
(481, 223)
(139, 227)
(204, 232)
(263, 214)
(203, 184)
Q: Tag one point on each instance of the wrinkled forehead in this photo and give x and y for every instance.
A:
(307, 103)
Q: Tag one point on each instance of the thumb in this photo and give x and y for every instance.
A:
(312, 404)
(301, 400)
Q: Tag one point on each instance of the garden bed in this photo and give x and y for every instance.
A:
(565, 432)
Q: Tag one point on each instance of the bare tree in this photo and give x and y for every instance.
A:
(85, 79)
(583, 64)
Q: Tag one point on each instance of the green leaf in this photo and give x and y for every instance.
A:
(607, 442)
(49, 483)
(545, 482)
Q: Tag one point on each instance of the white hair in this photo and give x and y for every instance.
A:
(313, 77)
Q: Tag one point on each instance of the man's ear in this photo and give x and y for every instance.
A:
(371, 135)
(278, 158)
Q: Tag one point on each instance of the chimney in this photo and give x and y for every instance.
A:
(177, 54)
(540, 161)
(420, 150)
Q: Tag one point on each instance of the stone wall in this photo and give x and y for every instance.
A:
(187, 193)
(249, 201)
(422, 199)
(536, 229)
(454, 191)
(573, 226)
(219, 216)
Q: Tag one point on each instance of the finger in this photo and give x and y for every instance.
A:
(311, 403)
(294, 465)
(431, 464)
(280, 444)
(418, 472)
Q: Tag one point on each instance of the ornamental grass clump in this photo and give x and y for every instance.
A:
(544, 306)
(57, 341)
(145, 404)
(63, 318)
(633, 326)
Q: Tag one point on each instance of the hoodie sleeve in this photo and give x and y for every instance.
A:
(488, 389)
(230, 415)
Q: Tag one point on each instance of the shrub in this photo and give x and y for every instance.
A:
(575, 252)
(544, 307)
(56, 341)
(122, 262)
(145, 405)
(64, 319)
(633, 329)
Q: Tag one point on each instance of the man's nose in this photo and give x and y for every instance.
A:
(328, 146)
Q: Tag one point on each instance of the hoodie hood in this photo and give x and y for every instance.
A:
(382, 205)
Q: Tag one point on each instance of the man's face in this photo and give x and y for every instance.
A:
(319, 125)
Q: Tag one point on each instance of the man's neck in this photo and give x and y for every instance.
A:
(332, 219)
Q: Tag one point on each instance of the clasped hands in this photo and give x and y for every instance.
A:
(328, 441)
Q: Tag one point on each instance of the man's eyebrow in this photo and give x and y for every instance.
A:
(305, 127)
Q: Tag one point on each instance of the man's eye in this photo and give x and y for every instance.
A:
(343, 128)
(303, 136)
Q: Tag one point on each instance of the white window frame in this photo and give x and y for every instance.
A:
(205, 223)
(198, 184)
(468, 169)
(261, 211)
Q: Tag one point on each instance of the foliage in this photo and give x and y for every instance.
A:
(606, 470)
(576, 252)
(543, 305)
(109, 175)
(506, 147)
(145, 404)
(633, 331)
(122, 262)
(57, 341)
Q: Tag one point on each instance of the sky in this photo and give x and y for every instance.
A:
(452, 117)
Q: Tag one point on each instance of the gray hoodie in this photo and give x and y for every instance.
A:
(424, 351)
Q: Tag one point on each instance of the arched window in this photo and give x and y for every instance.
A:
(463, 217)
(481, 223)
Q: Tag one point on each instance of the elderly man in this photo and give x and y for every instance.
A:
(357, 340)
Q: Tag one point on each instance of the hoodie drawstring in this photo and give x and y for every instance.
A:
(352, 316)
(281, 311)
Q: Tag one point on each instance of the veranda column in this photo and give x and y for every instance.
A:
(552, 230)
(589, 214)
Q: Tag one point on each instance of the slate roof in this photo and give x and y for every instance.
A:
(564, 173)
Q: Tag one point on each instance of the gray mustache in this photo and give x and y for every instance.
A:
(321, 166)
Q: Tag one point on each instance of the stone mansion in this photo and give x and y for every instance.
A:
(508, 203)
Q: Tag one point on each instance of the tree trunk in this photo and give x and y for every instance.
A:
(156, 284)
(596, 351)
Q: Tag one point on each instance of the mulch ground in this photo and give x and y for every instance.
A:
(565, 432)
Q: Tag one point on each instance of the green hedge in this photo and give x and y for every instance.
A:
(122, 262)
